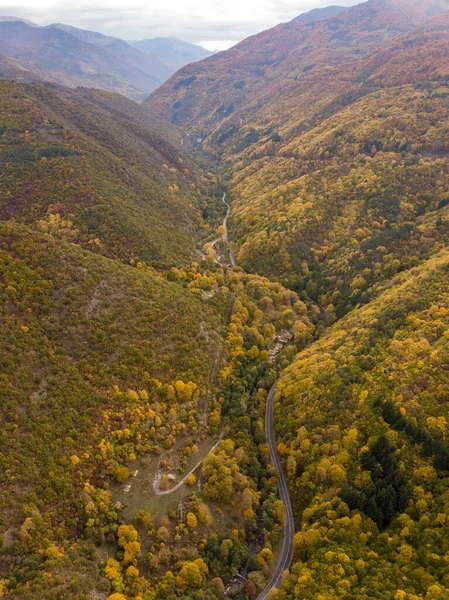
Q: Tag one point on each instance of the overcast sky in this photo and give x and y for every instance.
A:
(212, 23)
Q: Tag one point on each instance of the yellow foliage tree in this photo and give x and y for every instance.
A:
(191, 520)
(122, 474)
(192, 575)
(191, 479)
(128, 539)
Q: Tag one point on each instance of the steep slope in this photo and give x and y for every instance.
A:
(172, 52)
(334, 149)
(74, 57)
(336, 160)
(11, 69)
(363, 419)
(335, 153)
(89, 348)
(154, 65)
(119, 372)
(88, 166)
(357, 181)
(319, 14)
(92, 346)
(286, 62)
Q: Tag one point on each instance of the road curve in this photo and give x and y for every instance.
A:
(289, 525)
(160, 492)
(225, 237)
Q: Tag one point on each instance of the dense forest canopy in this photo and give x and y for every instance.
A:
(137, 362)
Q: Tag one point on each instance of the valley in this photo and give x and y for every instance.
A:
(70, 56)
(286, 557)
(224, 318)
(225, 237)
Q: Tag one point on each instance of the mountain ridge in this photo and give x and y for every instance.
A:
(319, 14)
(131, 344)
(111, 165)
(174, 52)
(286, 44)
(75, 57)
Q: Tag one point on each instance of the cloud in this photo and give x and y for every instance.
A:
(194, 20)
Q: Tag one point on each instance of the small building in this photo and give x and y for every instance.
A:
(171, 477)
(126, 488)
(285, 337)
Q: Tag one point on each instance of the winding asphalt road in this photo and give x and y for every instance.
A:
(289, 525)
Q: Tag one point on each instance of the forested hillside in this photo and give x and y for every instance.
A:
(137, 361)
(125, 362)
(91, 167)
(332, 137)
(363, 419)
(105, 358)
(297, 67)
(70, 56)
(335, 148)
(89, 348)
(113, 376)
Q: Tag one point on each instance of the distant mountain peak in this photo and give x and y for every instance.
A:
(84, 34)
(174, 52)
(429, 7)
(319, 14)
(75, 57)
(7, 19)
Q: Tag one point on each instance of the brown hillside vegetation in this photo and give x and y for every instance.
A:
(89, 166)
(74, 57)
(11, 69)
(333, 138)
(136, 363)
(334, 145)
(286, 62)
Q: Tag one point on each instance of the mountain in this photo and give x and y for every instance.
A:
(332, 138)
(174, 53)
(319, 14)
(58, 56)
(93, 159)
(269, 68)
(16, 19)
(119, 353)
(139, 366)
(363, 417)
(11, 69)
(76, 57)
(87, 342)
(95, 207)
(299, 132)
(153, 64)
